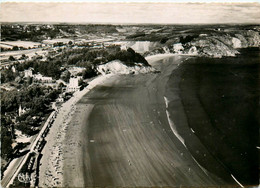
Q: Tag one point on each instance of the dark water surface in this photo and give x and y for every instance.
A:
(220, 99)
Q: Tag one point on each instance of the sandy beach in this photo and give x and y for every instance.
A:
(118, 134)
(52, 162)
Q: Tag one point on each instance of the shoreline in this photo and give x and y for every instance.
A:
(114, 144)
(80, 119)
(181, 132)
(57, 132)
(200, 78)
(177, 115)
(80, 139)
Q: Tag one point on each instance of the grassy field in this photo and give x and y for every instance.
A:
(24, 44)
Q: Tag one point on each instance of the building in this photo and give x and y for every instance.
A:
(21, 110)
(76, 70)
(28, 73)
(13, 69)
(73, 84)
(60, 99)
(43, 79)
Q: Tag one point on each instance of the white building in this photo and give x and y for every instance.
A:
(13, 69)
(28, 73)
(41, 78)
(75, 70)
(21, 110)
(60, 99)
(73, 84)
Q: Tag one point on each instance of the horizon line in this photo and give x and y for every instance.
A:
(131, 1)
(121, 23)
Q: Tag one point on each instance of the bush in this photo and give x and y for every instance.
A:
(89, 72)
(11, 58)
(6, 141)
(129, 57)
(26, 129)
(7, 75)
(141, 34)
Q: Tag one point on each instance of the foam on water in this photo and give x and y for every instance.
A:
(238, 160)
(237, 181)
(172, 125)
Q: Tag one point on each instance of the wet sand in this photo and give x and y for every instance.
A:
(119, 135)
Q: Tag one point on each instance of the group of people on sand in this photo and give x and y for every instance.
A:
(53, 174)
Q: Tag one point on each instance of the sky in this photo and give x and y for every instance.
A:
(131, 13)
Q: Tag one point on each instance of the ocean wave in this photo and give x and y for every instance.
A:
(179, 137)
(172, 125)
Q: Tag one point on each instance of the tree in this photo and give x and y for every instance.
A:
(9, 101)
(66, 76)
(89, 72)
(29, 80)
(11, 58)
(15, 48)
(53, 95)
(130, 50)
(60, 86)
(81, 82)
(24, 56)
(3, 79)
(6, 138)
(6, 141)
(38, 104)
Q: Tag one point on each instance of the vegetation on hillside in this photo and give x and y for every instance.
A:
(39, 32)
(83, 57)
(36, 100)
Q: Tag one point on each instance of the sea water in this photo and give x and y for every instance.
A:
(214, 105)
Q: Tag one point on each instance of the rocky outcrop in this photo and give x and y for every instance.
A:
(118, 67)
(214, 44)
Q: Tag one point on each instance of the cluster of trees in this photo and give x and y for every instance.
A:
(129, 57)
(39, 32)
(59, 44)
(83, 57)
(49, 67)
(7, 75)
(46, 68)
(34, 97)
(36, 100)
(7, 134)
(96, 28)
(136, 35)
(14, 48)
(89, 58)
(28, 32)
(36, 32)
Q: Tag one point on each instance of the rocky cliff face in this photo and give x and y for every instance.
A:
(141, 46)
(118, 67)
(215, 44)
(225, 44)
